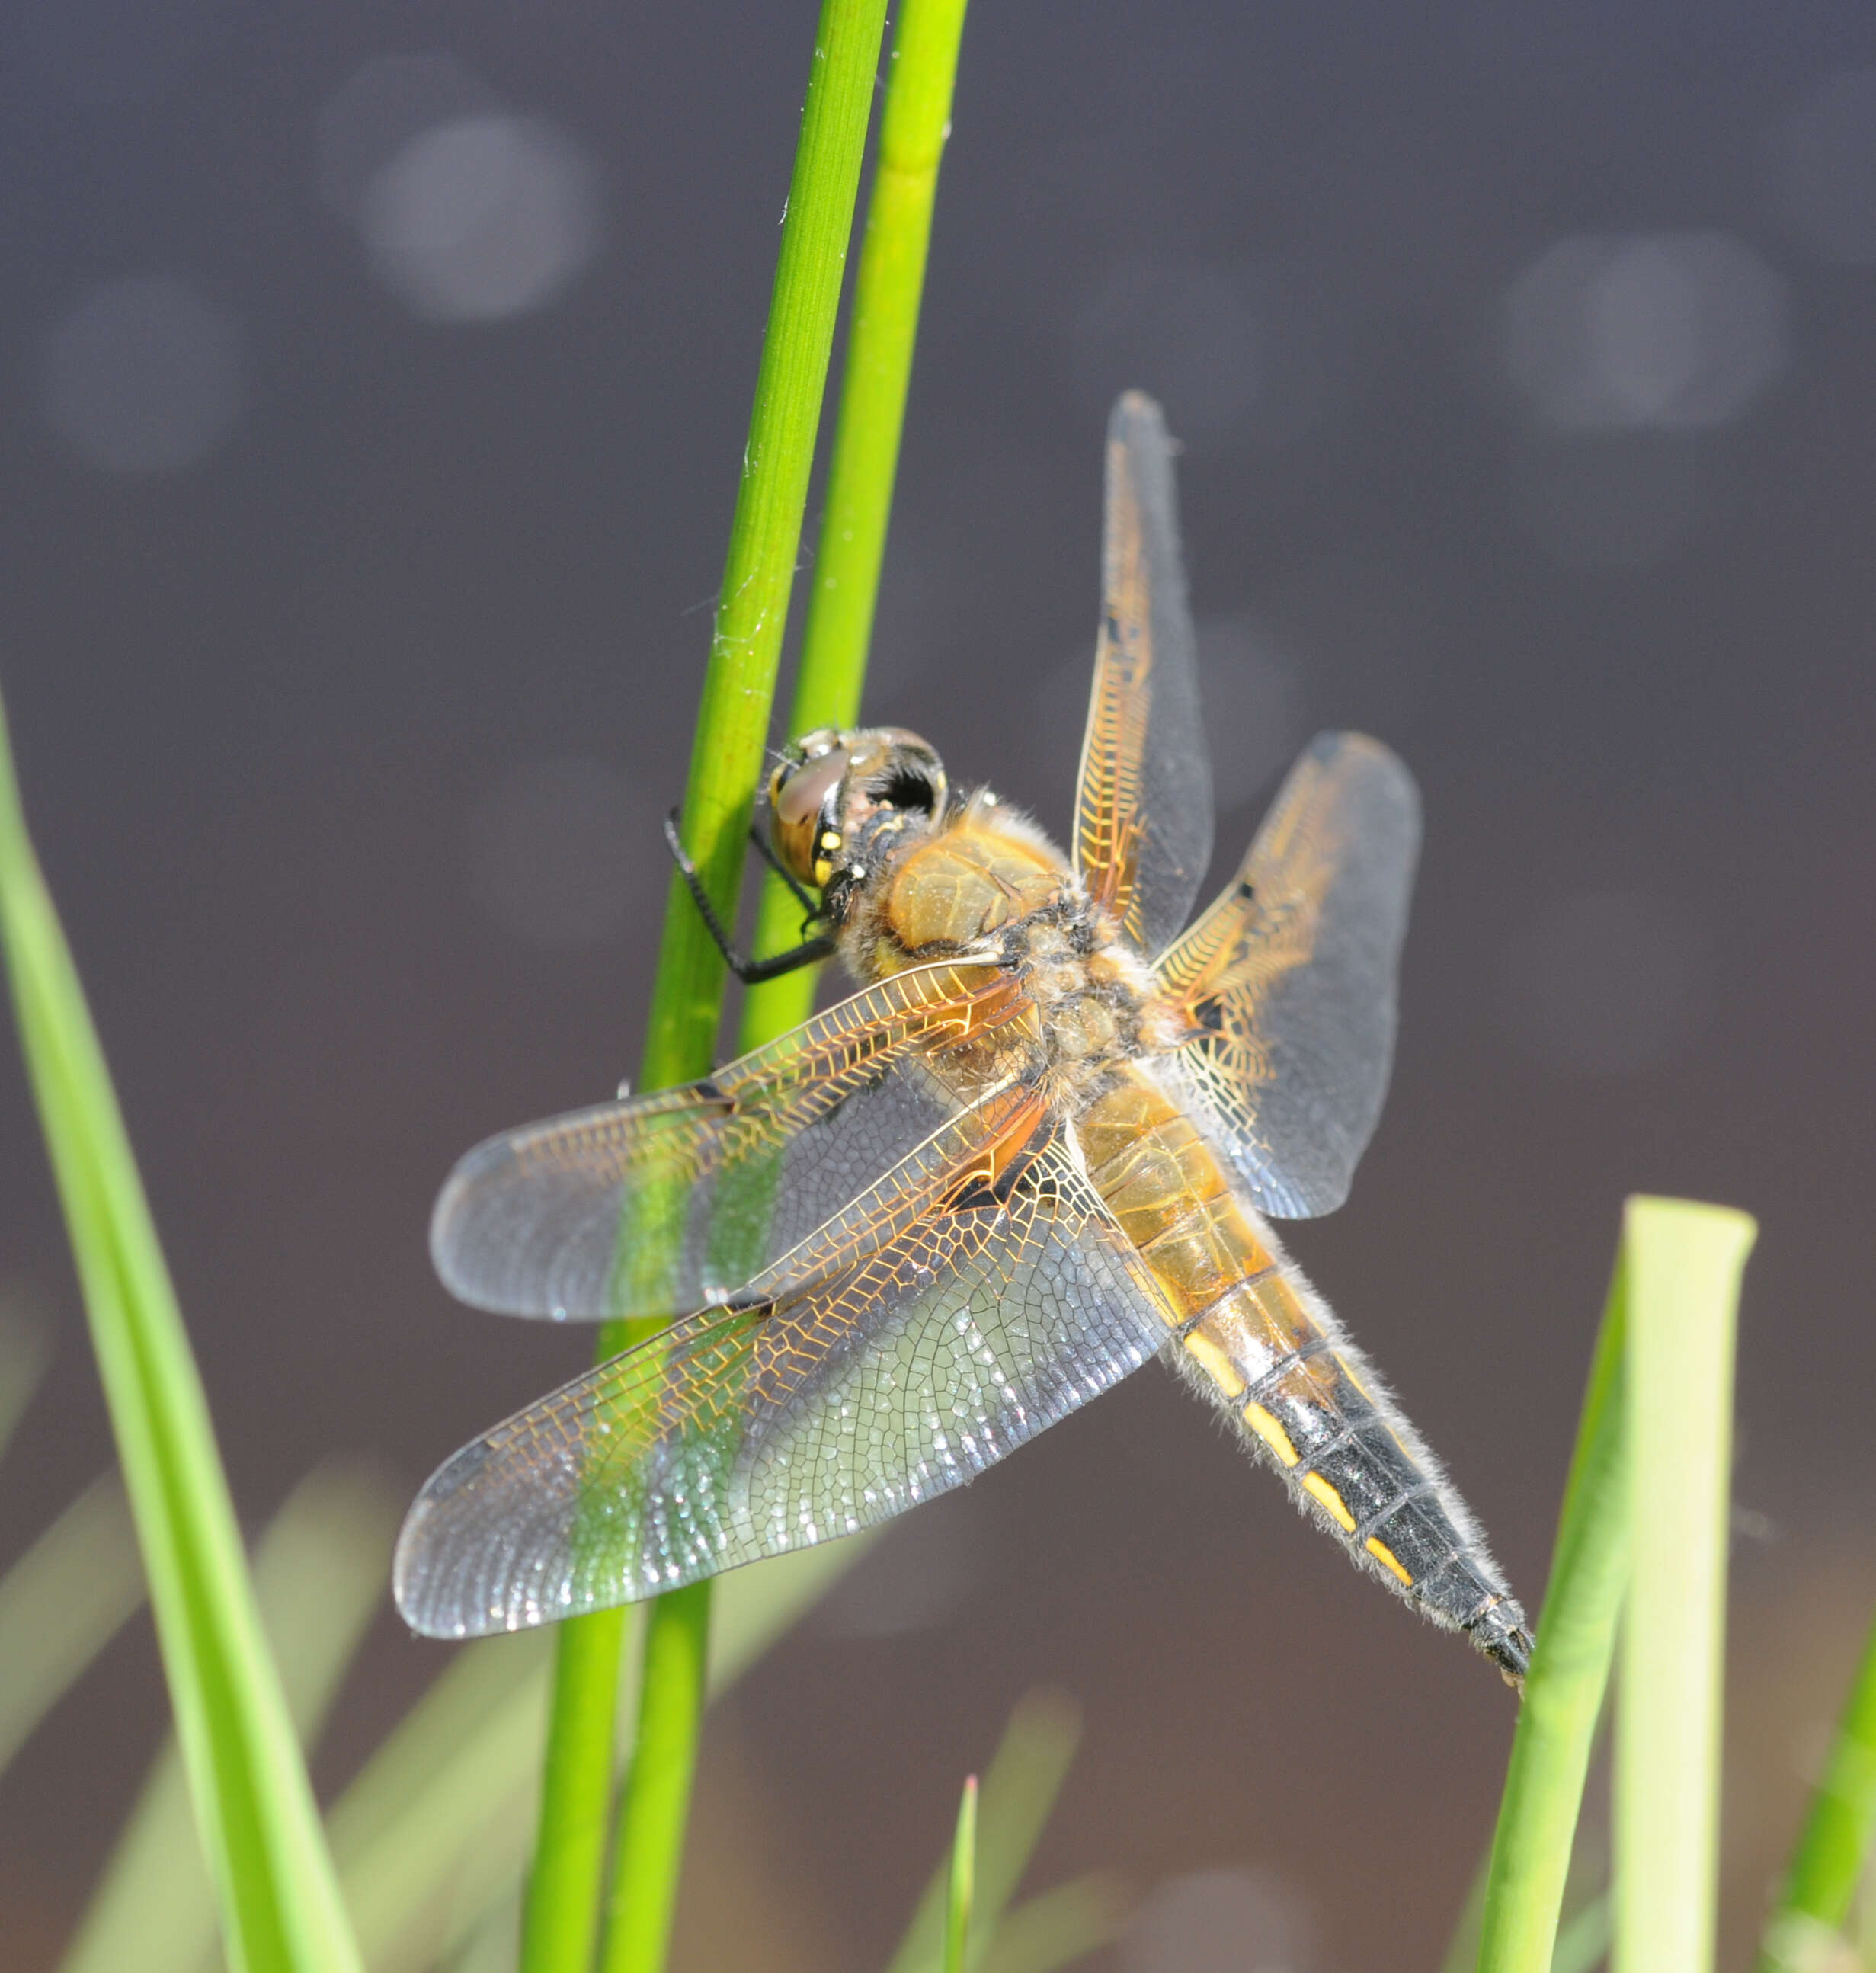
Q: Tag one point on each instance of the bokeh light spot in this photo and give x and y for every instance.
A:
(141, 376)
(1674, 331)
(380, 106)
(480, 217)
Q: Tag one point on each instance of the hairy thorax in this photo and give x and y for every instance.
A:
(989, 877)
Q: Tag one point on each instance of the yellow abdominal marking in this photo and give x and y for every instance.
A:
(1273, 1434)
(1388, 1559)
(1216, 1364)
(1314, 1483)
(1348, 1371)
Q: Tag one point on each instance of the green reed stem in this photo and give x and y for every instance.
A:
(1683, 1264)
(560, 1910)
(765, 535)
(655, 1804)
(888, 286)
(563, 1911)
(1569, 1671)
(961, 1890)
(276, 1890)
(1839, 1829)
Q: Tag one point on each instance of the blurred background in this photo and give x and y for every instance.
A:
(374, 382)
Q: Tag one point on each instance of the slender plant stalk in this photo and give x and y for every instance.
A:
(961, 1887)
(275, 1887)
(1569, 1672)
(1683, 1265)
(560, 1910)
(61, 1603)
(765, 535)
(888, 285)
(733, 720)
(655, 1804)
(1834, 1846)
(1018, 1794)
(319, 1580)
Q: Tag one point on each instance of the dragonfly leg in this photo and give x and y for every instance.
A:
(751, 972)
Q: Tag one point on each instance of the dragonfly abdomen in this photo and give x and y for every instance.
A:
(1248, 1330)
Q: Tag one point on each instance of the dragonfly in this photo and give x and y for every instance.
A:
(1042, 1142)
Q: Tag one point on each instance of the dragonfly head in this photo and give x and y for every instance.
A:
(839, 800)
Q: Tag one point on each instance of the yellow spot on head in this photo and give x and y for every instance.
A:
(1316, 1486)
(1215, 1362)
(1273, 1434)
(1389, 1560)
(831, 839)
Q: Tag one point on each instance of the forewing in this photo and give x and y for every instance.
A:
(674, 1200)
(1289, 978)
(745, 1431)
(1143, 807)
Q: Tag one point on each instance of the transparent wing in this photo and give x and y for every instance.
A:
(753, 1428)
(670, 1200)
(1143, 805)
(1289, 978)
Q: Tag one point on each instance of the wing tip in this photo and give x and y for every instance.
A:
(426, 1571)
(1135, 416)
(1327, 748)
(453, 1216)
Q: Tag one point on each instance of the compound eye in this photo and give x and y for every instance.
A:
(799, 797)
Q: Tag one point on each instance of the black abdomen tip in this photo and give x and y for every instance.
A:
(1501, 1633)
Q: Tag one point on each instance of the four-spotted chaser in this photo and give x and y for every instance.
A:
(1039, 1145)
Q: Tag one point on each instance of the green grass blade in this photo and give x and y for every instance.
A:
(61, 1603)
(961, 1881)
(1462, 1952)
(278, 1895)
(319, 1574)
(432, 1835)
(1683, 1267)
(1020, 1787)
(489, 1945)
(1835, 1845)
(1058, 1927)
(461, 1768)
(889, 285)
(1583, 1941)
(1569, 1673)
(25, 1350)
